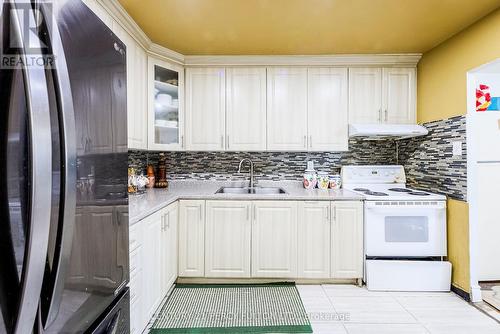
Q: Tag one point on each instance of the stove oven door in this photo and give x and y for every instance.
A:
(405, 229)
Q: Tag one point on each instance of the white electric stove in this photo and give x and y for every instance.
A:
(404, 231)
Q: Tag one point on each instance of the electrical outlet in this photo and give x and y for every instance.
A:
(457, 148)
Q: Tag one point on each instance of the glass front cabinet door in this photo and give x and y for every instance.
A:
(166, 105)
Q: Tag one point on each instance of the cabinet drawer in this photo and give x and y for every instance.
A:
(135, 261)
(134, 295)
(135, 313)
(134, 237)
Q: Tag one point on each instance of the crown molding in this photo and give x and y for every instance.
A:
(120, 15)
(352, 60)
(166, 54)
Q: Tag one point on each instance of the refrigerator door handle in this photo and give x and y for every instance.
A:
(38, 107)
(68, 168)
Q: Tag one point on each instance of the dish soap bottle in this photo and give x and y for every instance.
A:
(310, 178)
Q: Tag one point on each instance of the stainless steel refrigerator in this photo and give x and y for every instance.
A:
(63, 168)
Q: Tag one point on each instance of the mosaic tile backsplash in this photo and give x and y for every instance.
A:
(429, 161)
(267, 165)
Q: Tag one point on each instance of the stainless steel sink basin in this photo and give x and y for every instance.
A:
(251, 191)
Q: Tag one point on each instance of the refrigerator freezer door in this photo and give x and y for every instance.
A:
(97, 266)
(117, 320)
(28, 133)
(486, 134)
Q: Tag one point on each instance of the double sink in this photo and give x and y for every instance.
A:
(251, 190)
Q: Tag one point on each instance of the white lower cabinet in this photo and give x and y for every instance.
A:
(274, 239)
(347, 239)
(138, 316)
(169, 252)
(227, 239)
(192, 238)
(241, 239)
(153, 264)
(314, 239)
(152, 248)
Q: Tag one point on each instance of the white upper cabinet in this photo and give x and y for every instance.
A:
(382, 95)
(227, 239)
(365, 95)
(165, 105)
(246, 109)
(137, 97)
(136, 131)
(327, 109)
(399, 105)
(205, 109)
(287, 109)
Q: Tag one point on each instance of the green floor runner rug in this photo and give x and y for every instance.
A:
(252, 308)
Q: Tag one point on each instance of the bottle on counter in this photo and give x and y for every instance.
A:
(151, 176)
(161, 181)
(132, 182)
(310, 178)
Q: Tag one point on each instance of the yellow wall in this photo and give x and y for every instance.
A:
(458, 243)
(442, 71)
(442, 94)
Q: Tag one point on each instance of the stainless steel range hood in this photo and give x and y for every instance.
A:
(386, 131)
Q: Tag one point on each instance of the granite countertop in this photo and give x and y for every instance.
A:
(141, 206)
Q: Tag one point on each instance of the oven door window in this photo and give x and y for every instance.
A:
(406, 229)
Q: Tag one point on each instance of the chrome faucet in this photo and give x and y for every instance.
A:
(251, 170)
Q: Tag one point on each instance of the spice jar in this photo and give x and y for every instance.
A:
(323, 180)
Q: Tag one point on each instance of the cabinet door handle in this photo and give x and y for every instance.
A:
(222, 141)
(227, 141)
(380, 115)
(254, 212)
(310, 141)
(305, 141)
(182, 141)
(386, 115)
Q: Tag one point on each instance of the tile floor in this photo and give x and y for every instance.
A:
(335, 309)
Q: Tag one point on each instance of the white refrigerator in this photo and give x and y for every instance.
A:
(484, 190)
